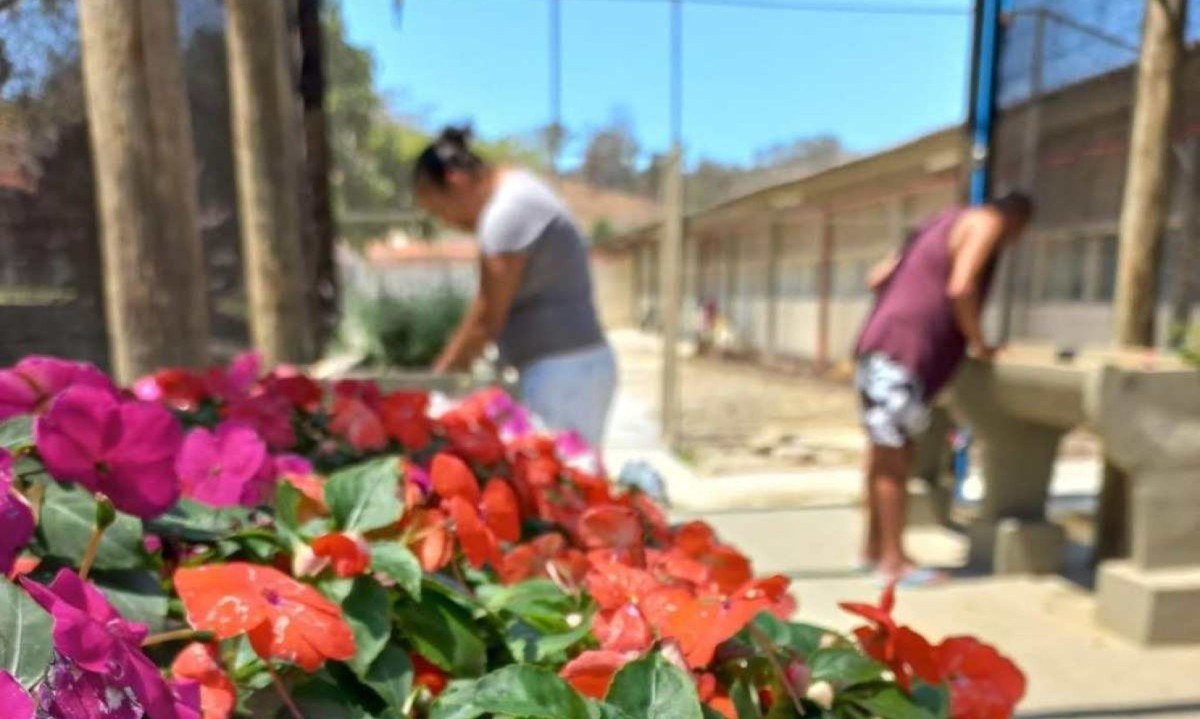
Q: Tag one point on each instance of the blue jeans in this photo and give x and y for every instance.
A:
(573, 391)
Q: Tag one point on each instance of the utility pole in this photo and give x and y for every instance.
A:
(264, 117)
(1143, 220)
(155, 299)
(554, 138)
(670, 287)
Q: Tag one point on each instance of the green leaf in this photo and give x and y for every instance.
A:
(653, 687)
(136, 594)
(934, 699)
(444, 633)
(68, 518)
(194, 522)
(367, 610)
(321, 699)
(17, 433)
(745, 700)
(397, 562)
(890, 703)
(540, 602)
(26, 638)
(457, 702)
(530, 693)
(391, 676)
(804, 639)
(530, 645)
(602, 710)
(844, 667)
(364, 497)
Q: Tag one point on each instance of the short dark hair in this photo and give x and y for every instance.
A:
(450, 151)
(1016, 204)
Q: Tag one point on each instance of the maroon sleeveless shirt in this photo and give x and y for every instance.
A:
(912, 322)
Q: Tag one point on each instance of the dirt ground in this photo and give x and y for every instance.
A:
(739, 417)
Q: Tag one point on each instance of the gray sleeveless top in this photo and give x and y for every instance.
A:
(553, 311)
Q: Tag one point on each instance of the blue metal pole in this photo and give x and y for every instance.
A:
(987, 64)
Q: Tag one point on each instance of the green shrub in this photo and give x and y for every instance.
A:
(388, 331)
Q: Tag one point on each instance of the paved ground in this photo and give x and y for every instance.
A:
(806, 524)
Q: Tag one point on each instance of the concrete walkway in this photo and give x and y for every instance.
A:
(807, 525)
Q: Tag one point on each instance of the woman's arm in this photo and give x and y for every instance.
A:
(499, 277)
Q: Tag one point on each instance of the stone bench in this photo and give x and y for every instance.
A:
(1146, 412)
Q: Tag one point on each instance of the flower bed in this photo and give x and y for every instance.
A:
(239, 544)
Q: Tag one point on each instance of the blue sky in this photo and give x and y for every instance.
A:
(751, 77)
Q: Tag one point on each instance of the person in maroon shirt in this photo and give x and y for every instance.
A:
(927, 317)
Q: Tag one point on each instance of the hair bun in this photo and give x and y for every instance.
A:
(458, 136)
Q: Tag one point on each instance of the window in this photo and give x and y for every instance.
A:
(1106, 283)
(1065, 268)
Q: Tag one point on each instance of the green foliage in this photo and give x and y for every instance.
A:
(365, 496)
(653, 687)
(407, 332)
(515, 691)
(26, 643)
(68, 518)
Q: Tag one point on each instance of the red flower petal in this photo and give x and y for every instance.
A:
(592, 672)
(453, 478)
(500, 511)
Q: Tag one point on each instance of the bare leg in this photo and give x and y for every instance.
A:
(888, 474)
(870, 553)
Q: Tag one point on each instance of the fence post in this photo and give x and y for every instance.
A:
(265, 145)
(141, 135)
(1143, 220)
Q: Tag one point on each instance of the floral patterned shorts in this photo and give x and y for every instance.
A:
(893, 401)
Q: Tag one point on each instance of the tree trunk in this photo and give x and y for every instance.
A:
(312, 90)
(265, 148)
(1143, 222)
(141, 137)
(1146, 203)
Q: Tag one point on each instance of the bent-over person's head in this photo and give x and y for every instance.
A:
(1018, 209)
(451, 181)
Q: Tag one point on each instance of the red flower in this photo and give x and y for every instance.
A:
(983, 683)
(283, 618)
(481, 520)
(475, 439)
(348, 554)
(302, 392)
(907, 653)
(198, 662)
(353, 419)
(613, 528)
(634, 605)
(704, 623)
(178, 388)
(406, 419)
(541, 556)
(269, 415)
(429, 676)
(592, 672)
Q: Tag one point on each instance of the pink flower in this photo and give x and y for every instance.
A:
(16, 701)
(15, 516)
(28, 387)
(292, 464)
(269, 415)
(216, 468)
(125, 450)
(236, 381)
(97, 651)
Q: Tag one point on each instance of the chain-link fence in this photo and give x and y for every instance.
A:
(1066, 92)
(51, 297)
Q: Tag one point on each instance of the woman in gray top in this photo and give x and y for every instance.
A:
(535, 286)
